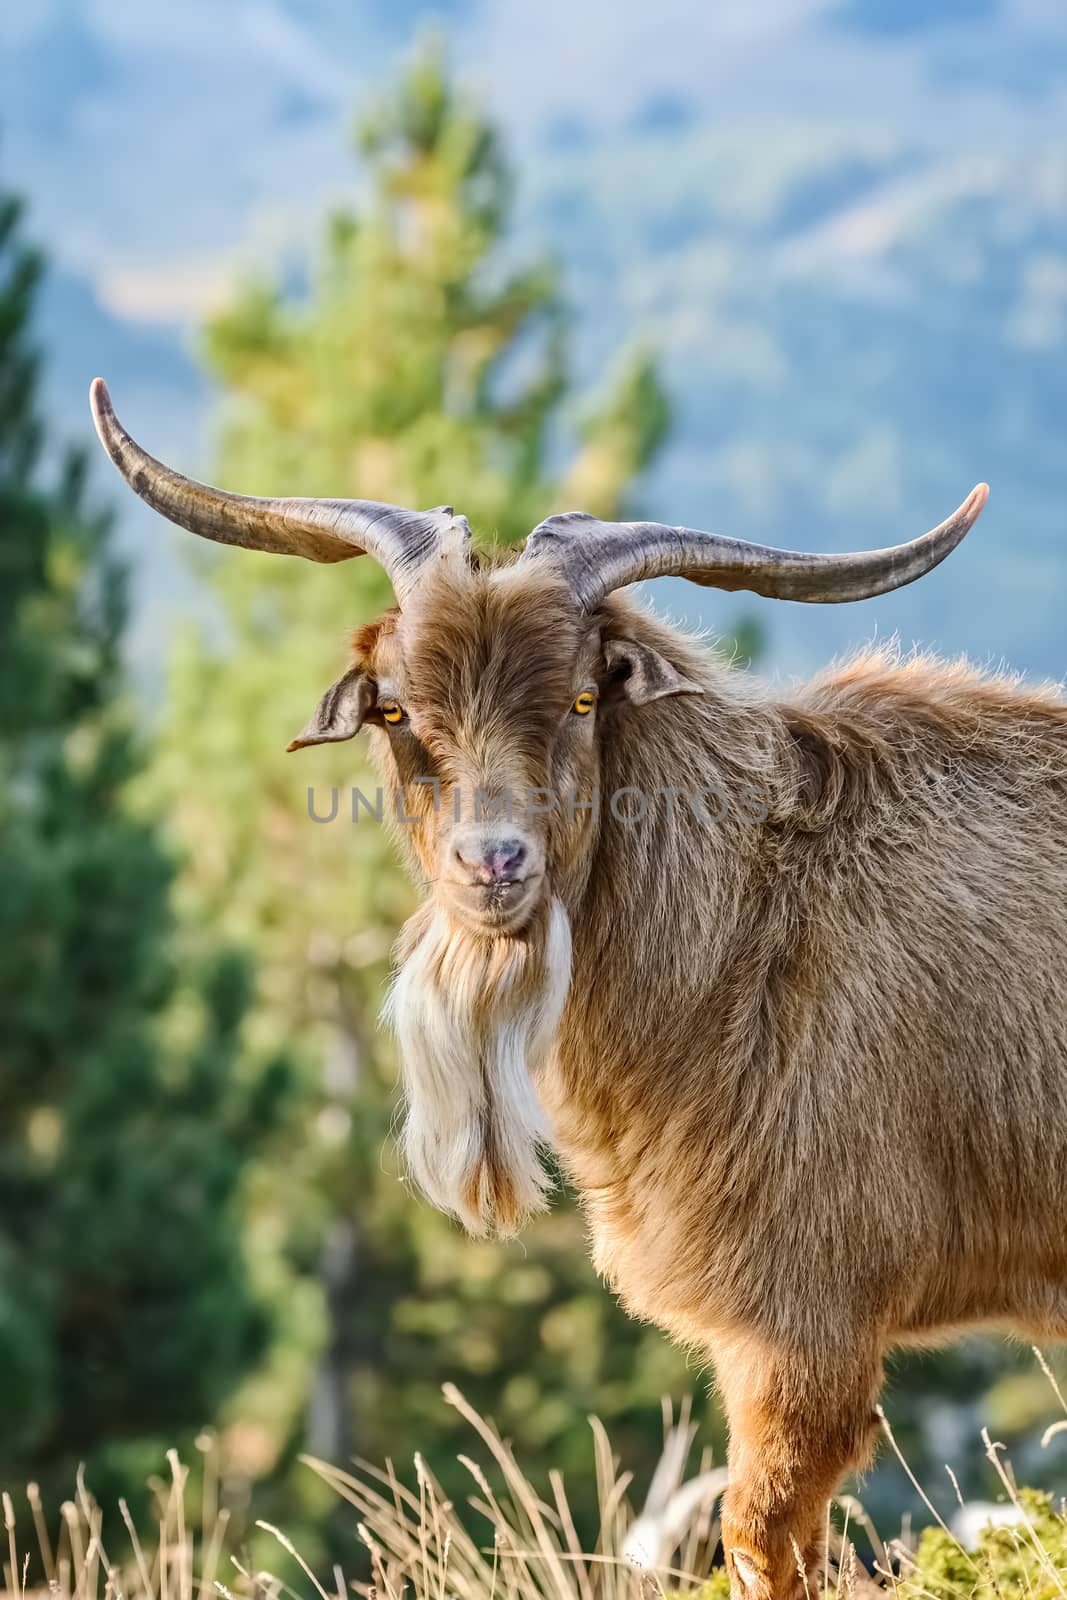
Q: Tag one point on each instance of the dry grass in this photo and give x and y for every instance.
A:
(525, 1548)
(510, 1543)
(169, 1563)
(504, 1544)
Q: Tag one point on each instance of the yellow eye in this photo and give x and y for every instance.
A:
(391, 711)
(584, 704)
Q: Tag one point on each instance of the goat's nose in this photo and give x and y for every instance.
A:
(491, 860)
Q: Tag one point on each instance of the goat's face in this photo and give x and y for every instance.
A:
(486, 695)
(485, 698)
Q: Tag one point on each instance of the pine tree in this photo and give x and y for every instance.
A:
(126, 1119)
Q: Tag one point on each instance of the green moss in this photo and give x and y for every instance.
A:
(716, 1588)
(1020, 1562)
(1010, 1563)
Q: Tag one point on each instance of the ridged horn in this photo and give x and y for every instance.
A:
(401, 541)
(596, 557)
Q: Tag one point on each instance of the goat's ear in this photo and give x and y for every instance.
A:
(643, 674)
(341, 712)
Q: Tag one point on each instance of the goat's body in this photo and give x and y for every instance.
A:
(822, 1084)
(811, 1079)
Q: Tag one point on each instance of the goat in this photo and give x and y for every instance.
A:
(803, 1051)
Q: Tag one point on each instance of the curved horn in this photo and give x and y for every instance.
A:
(596, 557)
(320, 530)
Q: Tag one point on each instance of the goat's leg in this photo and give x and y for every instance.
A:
(796, 1426)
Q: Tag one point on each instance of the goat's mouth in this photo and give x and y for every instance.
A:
(503, 907)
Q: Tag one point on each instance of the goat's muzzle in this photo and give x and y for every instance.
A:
(492, 878)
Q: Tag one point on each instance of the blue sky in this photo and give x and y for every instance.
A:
(157, 137)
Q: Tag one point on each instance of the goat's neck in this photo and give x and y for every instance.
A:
(658, 925)
(662, 890)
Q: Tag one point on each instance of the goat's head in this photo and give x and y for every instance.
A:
(488, 690)
(487, 695)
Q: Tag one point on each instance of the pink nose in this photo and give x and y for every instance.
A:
(494, 861)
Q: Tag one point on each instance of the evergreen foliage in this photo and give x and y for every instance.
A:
(126, 1308)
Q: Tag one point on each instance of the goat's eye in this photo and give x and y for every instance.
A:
(391, 711)
(584, 704)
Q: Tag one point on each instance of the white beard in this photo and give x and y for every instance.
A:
(476, 1019)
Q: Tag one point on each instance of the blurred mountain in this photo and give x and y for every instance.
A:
(842, 222)
(855, 330)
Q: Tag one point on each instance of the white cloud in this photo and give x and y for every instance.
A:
(871, 229)
(183, 291)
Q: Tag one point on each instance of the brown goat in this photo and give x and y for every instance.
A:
(781, 979)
